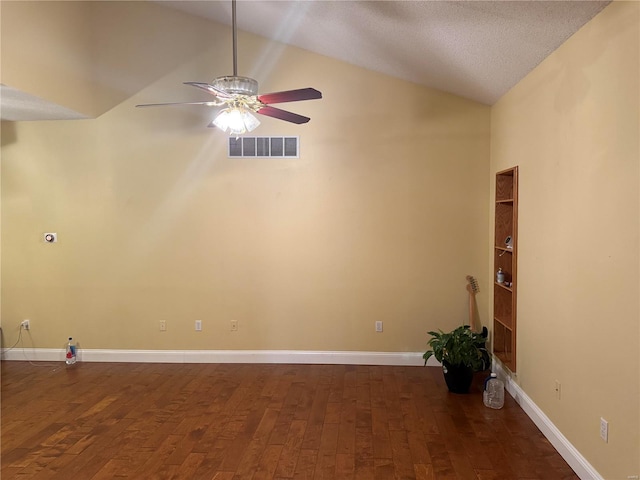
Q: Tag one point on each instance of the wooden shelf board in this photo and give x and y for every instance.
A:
(504, 323)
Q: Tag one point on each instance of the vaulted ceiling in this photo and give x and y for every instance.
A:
(475, 49)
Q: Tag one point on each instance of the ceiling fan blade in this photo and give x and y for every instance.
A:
(283, 115)
(290, 96)
(208, 104)
(209, 88)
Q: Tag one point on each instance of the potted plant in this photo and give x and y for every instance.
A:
(461, 353)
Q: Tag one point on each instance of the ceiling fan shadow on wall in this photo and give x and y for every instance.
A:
(240, 95)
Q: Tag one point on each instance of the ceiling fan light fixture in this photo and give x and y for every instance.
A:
(250, 121)
(236, 85)
(237, 120)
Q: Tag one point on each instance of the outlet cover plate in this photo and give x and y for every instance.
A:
(604, 430)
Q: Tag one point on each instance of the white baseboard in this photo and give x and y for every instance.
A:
(571, 455)
(223, 356)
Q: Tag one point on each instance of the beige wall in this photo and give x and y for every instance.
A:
(45, 46)
(572, 127)
(381, 217)
(90, 56)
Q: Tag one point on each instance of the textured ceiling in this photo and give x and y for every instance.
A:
(475, 49)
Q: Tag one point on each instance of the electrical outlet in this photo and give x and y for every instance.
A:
(234, 325)
(558, 386)
(378, 326)
(604, 430)
(163, 325)
(198, 325)
(25, 324)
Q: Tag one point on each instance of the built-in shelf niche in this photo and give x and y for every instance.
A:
(505, 256)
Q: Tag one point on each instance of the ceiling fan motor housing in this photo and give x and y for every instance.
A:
(236, 85)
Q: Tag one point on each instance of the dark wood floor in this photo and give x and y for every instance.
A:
(230, 421)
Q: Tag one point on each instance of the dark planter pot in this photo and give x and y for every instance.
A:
(457, 377)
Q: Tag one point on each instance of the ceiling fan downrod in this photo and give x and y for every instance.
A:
(235, 38)
(235, 84)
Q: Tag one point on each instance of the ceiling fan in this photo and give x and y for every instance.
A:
(240, 95)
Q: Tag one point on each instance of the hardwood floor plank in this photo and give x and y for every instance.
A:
(326, 464)
(282, 427)
(341, 376)
(255, 449)
(418, 448)
(364, 448)
(424, 471)
(403, 463)
(347, 428)
(209, 467)
(380, 432)
(440, 456)
(268, 463)
(291, 451)
(306, 465)
(383, 469)
(345, 466)
(314, 413)
(333, 412)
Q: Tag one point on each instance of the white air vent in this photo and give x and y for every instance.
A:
(263, 147)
